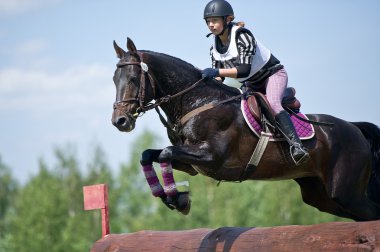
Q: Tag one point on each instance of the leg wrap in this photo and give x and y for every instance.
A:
(152, 179)
(167, 175)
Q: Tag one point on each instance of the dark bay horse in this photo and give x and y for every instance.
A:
(342, 176)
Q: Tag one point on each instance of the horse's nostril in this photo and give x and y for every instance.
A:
(121, 120)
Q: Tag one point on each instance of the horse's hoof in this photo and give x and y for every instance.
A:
(181, 201)
(167, 202)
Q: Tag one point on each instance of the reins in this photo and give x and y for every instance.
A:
(167, 98)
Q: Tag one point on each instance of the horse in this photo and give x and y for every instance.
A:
(341, 176)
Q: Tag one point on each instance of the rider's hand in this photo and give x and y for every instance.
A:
(210, 73)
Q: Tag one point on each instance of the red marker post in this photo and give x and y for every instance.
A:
(96, 197)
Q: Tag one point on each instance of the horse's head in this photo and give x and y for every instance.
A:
(132, 91)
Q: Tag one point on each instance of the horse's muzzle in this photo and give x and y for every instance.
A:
(123, 122)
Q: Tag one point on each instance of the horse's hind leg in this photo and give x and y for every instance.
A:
(314, 194)
(348, 189)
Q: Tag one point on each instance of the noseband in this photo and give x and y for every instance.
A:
(141, 94)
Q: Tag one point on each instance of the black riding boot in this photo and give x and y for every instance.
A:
(298, 152)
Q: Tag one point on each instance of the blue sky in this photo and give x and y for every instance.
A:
(57, 63)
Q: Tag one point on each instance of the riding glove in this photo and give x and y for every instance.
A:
(210, 73)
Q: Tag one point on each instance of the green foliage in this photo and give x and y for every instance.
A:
(8, 189)
(47, 212)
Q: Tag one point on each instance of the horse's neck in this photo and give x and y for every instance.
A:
(193, 99)
(175, 108)
(172, 77)
(175, 76)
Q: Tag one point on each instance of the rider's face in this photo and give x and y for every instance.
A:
(215, 24)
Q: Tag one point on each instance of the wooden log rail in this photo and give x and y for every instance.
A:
(334, 236)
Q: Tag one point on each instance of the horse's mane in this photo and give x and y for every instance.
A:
(181, 64)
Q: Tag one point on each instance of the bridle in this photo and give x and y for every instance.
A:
(145, 72)
(141, 94)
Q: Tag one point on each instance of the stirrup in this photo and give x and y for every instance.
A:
(304, 157)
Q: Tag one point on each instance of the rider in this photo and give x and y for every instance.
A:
(236, 53)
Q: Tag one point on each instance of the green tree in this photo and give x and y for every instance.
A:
(48, 211)
(39, 212)
(8, 188)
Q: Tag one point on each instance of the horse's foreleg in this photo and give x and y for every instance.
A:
(184, 167)
(168, 194)
(197, 154)
(146, 161)
(185, 154)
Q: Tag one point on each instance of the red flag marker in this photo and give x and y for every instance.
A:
(96, 197)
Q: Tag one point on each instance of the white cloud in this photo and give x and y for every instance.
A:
(30, 47)
(18, 6)
(73, 88)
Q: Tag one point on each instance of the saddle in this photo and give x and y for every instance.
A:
(258, 104)
(258, 115)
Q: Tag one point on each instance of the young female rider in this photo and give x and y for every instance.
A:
(237, 54)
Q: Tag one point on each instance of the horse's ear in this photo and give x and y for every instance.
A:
(131, 46)
(119, 52)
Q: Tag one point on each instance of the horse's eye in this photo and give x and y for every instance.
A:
(133, 79)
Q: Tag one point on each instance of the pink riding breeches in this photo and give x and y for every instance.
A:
(275, 87)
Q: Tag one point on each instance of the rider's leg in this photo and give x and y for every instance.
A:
(298, 152)
(276, 86)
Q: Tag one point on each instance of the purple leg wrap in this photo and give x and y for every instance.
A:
(167, 175)
(153, 181)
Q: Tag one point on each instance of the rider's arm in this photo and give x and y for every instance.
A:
(240, 71)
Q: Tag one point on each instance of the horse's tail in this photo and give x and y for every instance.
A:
(372, 133)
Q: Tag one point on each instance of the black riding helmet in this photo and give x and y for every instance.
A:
(218, 8)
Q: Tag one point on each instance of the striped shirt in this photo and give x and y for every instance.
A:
(243, 48)
(246, 45)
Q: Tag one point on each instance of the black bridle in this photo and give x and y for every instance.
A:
(141, 94)
(145, 72)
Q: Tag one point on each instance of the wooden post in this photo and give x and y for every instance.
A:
(96, 197)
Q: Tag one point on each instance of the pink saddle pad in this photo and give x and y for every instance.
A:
(304, 130)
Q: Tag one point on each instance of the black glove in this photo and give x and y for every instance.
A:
(210, 73)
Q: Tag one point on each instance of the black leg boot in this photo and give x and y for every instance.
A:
(298, 152)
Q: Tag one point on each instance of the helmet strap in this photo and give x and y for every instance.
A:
(225, 25)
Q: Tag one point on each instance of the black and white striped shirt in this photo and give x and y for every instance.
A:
(244, 52)
(246, 45)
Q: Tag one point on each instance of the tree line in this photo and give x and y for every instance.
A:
(46, 213)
